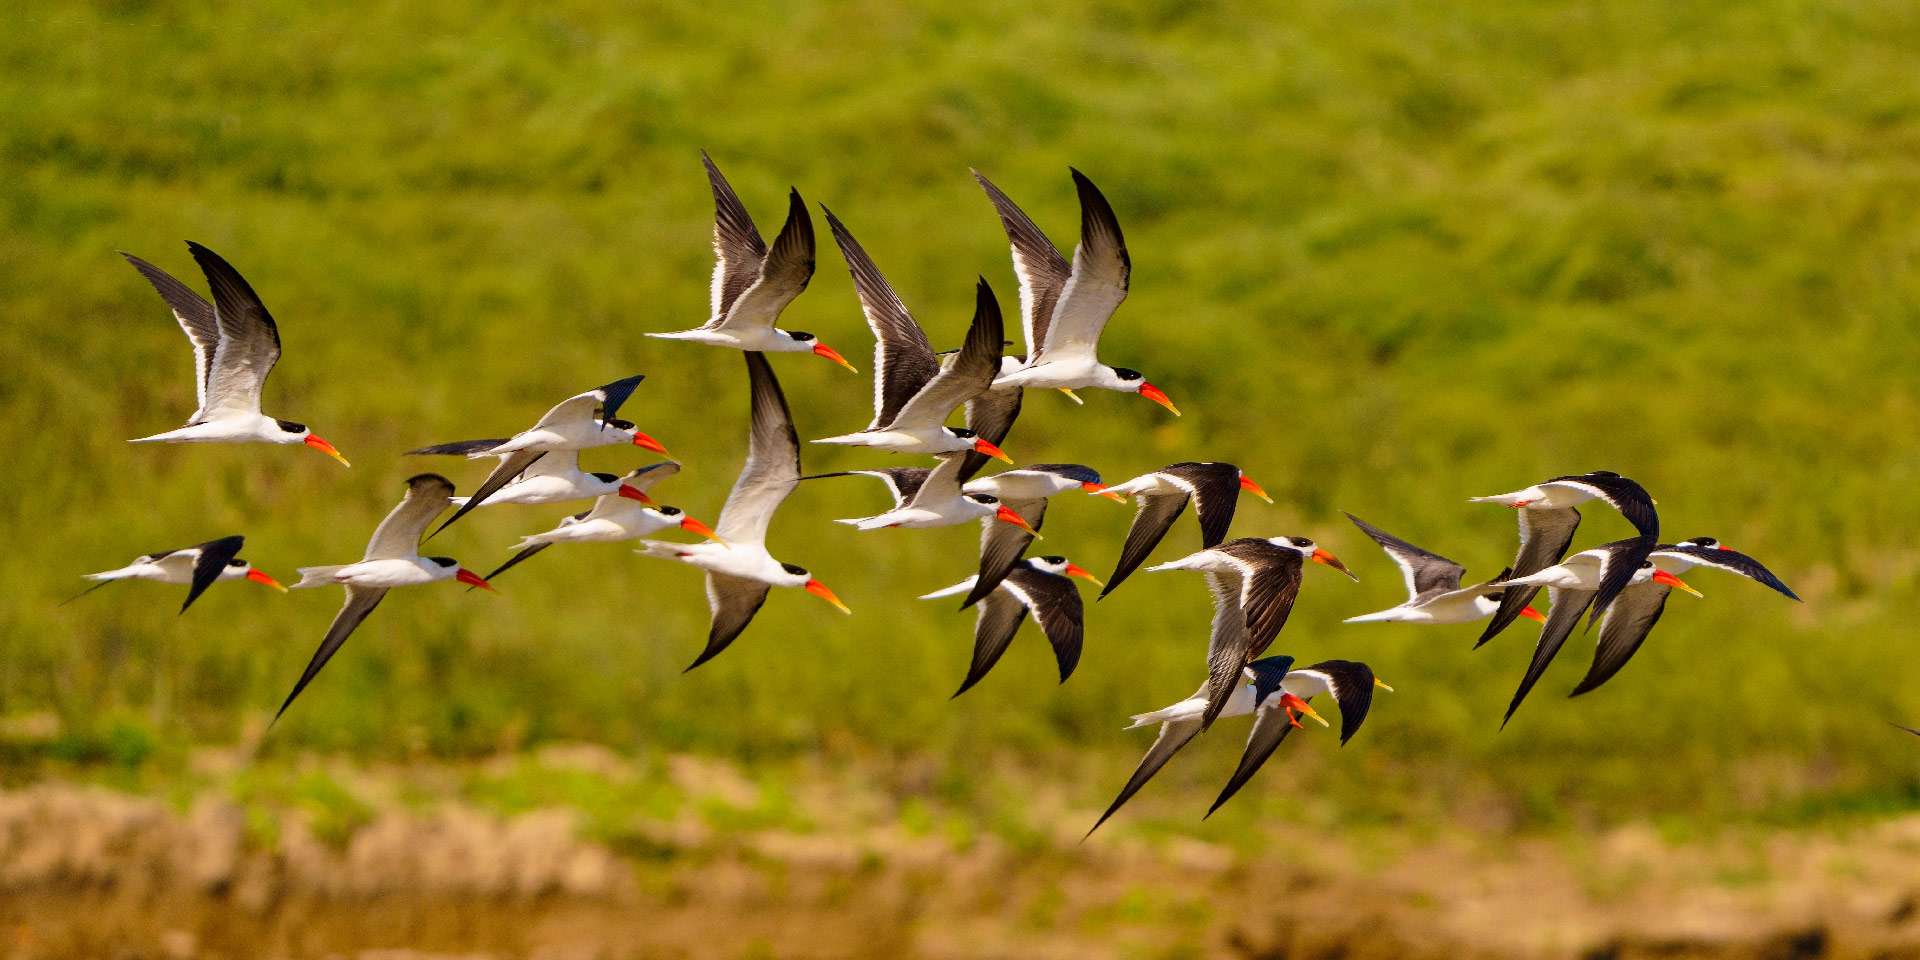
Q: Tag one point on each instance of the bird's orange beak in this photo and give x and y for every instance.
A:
(1661, 576)
(691, 525)
(1101, 490)
(1017, 520)
(1153, 393)
(631, 492)
(1520, 504)
(820, 590)
(980, 445)
(822, 350)
(258, 577)
(472, 579)
(1535, 615)
(325, 447)
(1321, 556)
(1296, 705)
(649, 443)
(1247, 484)
(1075, 570)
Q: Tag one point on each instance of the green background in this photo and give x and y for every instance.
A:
(1386, 257)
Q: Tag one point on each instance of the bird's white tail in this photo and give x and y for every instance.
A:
(1184, 709)
(1384, 616)
(318, 576)
(852, 439)
(124, 573)
(661, 549)
(961, 587)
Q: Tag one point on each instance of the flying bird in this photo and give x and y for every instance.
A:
(1023, 492)
(628, 514)
(752, 285)
(235, 345)
(1278, 696)
(1626, 624)
(392, 560)
(914, 390)
(739, 569)
(577, 423)
(1547, 521)
(1039, 585)
(925, 498)
(1254, 584)
(1434, 594)
(1214, 489)
(555, 477)
(1276, 685)
(196, 568)
(1571, 587)
(1062, 342)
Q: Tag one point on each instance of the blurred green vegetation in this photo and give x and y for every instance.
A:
(1387, 256)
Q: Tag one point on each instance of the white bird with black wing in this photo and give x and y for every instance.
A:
(235, 345)
(196, 568)
(1213, 488)
(1038, 585)
(1062, 343)
(753, 285)
(1255, 583)
(926, 498)
(580, 422)
(628, 514)
(1023, 492)
(1434, 594)
(392, 560)
(1547, 522)
(739, 569)
(914, 389)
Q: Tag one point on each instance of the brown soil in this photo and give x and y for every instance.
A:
(89, 873)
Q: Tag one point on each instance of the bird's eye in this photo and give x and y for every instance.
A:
(620, 424)
(445, 561)
(291, 427)
(800, 335)
(670, 511)
(962, 432)
(1127, 374)
(795, 570)
(982, 498)
(1054, 560)
(1301, 542)
(236, 563)
(1646, 564)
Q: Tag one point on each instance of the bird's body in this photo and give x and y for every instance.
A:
(1065, 305)
(556, 478)
(1213, 488)
(235, 345)
(1024, 493)
(1434, 594)
(196, 567)
(1254, 583)
(580, 422)
(930, 498)
(739, 569)
(753, 285)
(1037, 585)
(1548, 517)
(392, 560)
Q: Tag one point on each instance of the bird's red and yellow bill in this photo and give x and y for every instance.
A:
(822, 350)
(1247, 484)
(472, 579)
(631, 492)
(820, 590)
(1155, 394)
(258, 577)
(325, 447)
(1295, 705)
(1661, 576)
(691, 525)
(1322, 556)
(980, 445)
(1017, 520)
(648, 443)
(1076, 570)
(1534, 615)
(1103, 491)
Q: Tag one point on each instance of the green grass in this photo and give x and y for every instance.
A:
(1387, 257)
